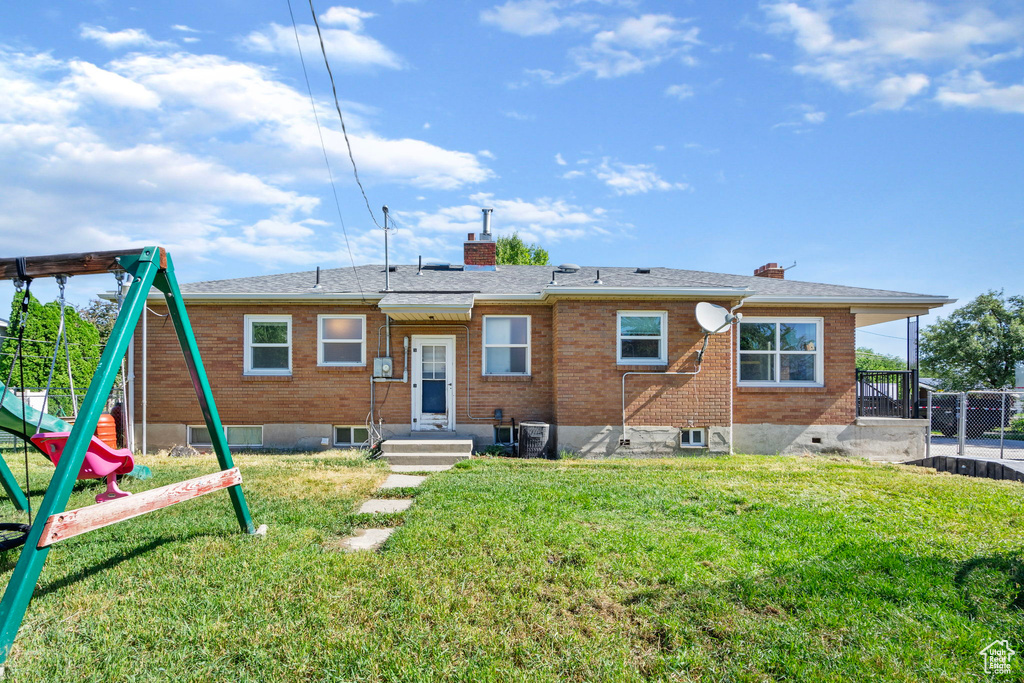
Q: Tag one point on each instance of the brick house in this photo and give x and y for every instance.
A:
(607, 356)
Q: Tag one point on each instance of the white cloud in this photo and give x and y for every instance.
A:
(893, 50)
(524, 17)
(486, 153)
(559, 160)
(345, 46)
(679, 92)
(617, 46)
(569, 175)
(349, 17)
(815, 117)
(117, 40)
(974, 91)
(630, 179)
(183, 28)
(213, 91)
(108, 87)
(545, 219)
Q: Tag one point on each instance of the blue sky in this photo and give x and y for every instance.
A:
(876, 143)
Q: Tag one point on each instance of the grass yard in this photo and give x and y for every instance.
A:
(739, 568)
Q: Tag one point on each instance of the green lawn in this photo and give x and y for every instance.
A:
(739, 568)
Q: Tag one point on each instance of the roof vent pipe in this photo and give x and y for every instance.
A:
(387, 266)
(598, 280)
(419, 271)
(486, 234)
(317, 285)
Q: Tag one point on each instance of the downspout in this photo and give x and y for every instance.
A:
(732, 375)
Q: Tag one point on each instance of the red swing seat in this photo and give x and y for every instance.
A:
(101, 461)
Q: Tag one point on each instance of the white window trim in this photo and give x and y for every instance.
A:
(320, 341)
(249, 320)
(511, 434)
(690, 443)
(349, 443)
(819, 353)
(189, 429)
(528, 346)
(662, 359)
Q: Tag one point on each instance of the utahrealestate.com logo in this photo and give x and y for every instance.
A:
(998, 657)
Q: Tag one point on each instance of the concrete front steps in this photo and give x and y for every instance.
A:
(425, 452)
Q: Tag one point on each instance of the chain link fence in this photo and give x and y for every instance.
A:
(979, 424)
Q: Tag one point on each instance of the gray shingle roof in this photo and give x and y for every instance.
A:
(518, 280)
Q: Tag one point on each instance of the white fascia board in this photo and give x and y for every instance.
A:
(929, 301)
(296, 297)
(615, 292)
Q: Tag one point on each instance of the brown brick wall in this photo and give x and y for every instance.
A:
(576, 382)
(331, 395)
(833, 404)
(480, 253)
(589, 382)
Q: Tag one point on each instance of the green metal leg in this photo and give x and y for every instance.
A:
(12, 487)
(166, 283)
(30, 563)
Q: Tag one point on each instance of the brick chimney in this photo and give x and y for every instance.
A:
(771, 270)
(482, 253)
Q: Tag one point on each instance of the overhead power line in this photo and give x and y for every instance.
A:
(327, 162)
(337, 105)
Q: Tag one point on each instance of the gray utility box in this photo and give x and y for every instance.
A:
(383, 367)
(536, 440)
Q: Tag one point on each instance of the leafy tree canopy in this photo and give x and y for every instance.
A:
(978, 345)
(513, 251)
(869, 359)
(40, 337)
(102, 314)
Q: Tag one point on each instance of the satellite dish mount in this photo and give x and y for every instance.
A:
(713, 319)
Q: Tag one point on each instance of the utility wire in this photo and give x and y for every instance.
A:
(877, 334)
(337, 105)
(327, 162)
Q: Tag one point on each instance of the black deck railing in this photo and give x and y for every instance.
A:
(887, 393)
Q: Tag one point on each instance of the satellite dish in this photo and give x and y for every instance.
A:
(714, 319)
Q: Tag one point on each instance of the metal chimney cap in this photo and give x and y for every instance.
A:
(569, 268)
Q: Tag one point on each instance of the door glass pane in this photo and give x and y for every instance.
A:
(797, 367)
(270, 333)
(757, 367)
(641, 348)
(270, 357)
(335, 352)
(428, 353)
(640, 326)
(757, 336)
(798, 336)
(433, 396)
(342, 328)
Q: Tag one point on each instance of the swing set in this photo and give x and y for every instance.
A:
(75, 452)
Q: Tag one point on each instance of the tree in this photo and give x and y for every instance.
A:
(41, 335)
(869, 359)
(978, 345)
(102, 314)
(512, 251)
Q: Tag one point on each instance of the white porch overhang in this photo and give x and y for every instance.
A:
(425, 306)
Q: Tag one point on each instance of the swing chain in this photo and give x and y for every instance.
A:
(119, 276)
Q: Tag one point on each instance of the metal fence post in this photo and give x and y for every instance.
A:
(1002, 427)
(961, 427)
(928, 431)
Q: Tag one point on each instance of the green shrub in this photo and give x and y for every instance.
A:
(1017, 423)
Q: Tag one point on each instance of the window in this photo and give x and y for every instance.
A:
(347, 436)
(506, 345)
(780, 351)
(238, 436)
(643, 338)
(341, 340)
(691, 438)
(268, 345)
(503, 435)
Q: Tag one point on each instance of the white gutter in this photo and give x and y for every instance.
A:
(844, 300)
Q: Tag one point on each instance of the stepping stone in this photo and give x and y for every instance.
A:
(398, 481)
(367, 539)
(386, 505)
(420, 468)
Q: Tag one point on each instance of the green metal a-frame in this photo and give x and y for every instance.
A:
(149, 267)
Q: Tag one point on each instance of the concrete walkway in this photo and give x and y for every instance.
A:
(373, 539)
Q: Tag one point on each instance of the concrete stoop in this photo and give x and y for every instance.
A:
(1012, 470)
(413, 452)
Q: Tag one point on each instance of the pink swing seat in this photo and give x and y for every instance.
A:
(101, 461)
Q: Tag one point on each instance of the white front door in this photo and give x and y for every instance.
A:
(433, 384)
